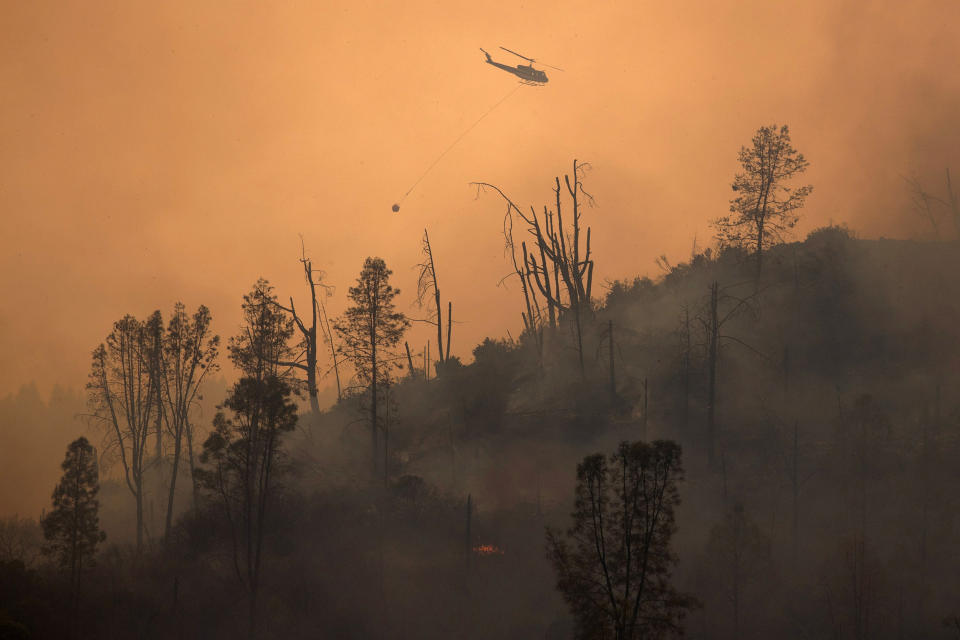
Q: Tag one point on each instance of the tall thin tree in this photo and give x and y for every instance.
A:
(189, 354)
(427, 284)
(72, 528)
(243, 454)
(123, 390)
(306, 360)
(369, 330)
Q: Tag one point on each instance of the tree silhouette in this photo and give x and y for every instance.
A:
(763, 209)
(741, 552)
(559, 263)
(242, 455)
(241, 459)
(72, 528)
(124, 393)
(189, 353)
(306, 360)
(614, 563)
(426, 285)
(262, 346)
(369, 330)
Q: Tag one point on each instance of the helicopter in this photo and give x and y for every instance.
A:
(526, 72)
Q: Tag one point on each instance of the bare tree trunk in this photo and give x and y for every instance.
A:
(613, 377)
(312, 391)
(410, 368)
(645, 396)
(686, 369)
(449, 327)
(432, 274)
(309, 338)
(439, 327)
(712, 375)
(386, 438)
(786, 370)
(469, 535)
(583, 371)
(795, 487)
(530, 320)
(374, 444)
(333, 350)
(76, 561)
(158, 452)
(760, 240)
(924, 507)
(173, 485)
(736, 573)
(193, 470)
(427, 281)
(138, 481)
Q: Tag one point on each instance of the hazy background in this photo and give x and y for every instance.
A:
(161, 151)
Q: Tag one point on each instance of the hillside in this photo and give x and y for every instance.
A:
(820, 497)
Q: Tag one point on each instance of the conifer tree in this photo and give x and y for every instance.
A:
(72, 528)
(369, 330)
(765, 206)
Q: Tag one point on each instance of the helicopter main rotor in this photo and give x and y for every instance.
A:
(531, 60)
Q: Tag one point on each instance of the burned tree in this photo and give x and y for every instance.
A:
(427, 285)
(932, 206)
(559, 264)
(712, 325)
(306, 360)
(328, 338)
(686, 357)
(721, 307)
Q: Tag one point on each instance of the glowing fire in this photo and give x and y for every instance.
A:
(487, 550)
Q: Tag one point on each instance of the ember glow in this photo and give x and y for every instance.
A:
(487, 550)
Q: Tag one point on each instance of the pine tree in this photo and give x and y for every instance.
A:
(242, 457)
(764, 207)
(72, 528)
(369, 330)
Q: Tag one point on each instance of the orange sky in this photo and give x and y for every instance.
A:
(175, 150)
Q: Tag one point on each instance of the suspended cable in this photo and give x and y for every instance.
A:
(396, 207)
